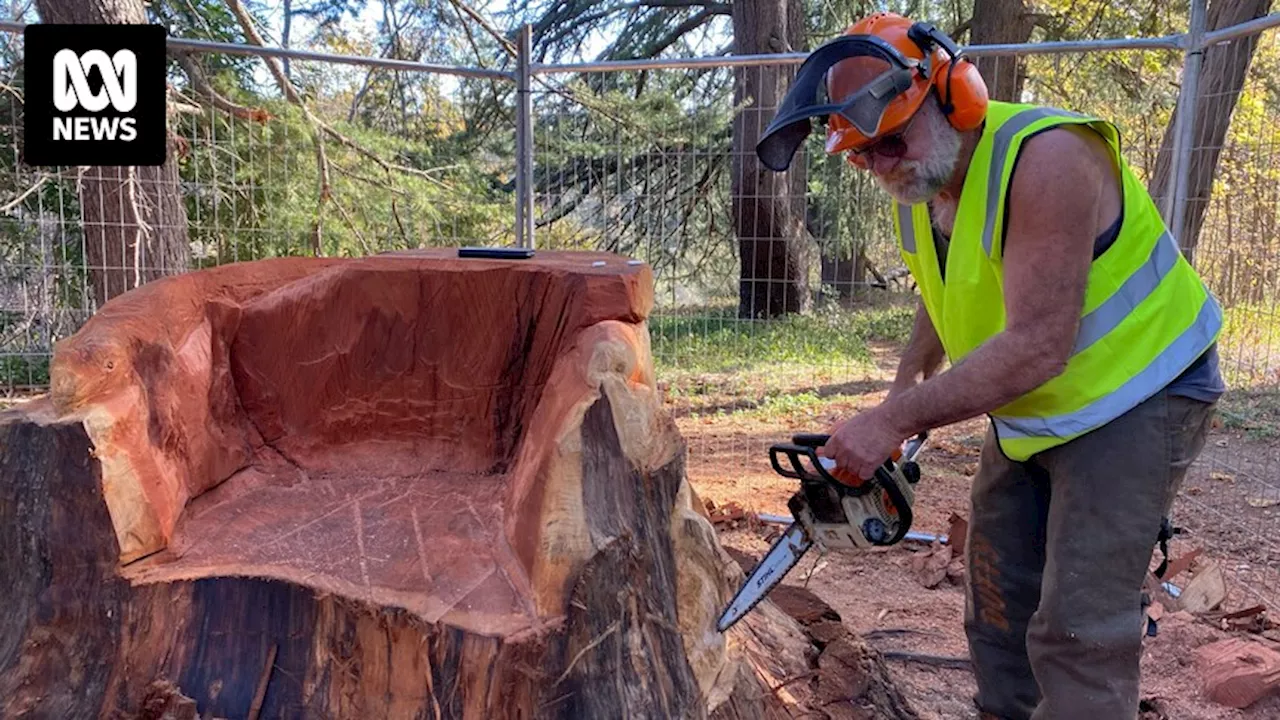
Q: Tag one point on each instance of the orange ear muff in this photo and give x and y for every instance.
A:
(960, 87)
(962, 92)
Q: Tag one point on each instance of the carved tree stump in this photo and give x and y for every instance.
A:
(402, 486)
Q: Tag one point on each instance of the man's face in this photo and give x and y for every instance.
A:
(919, 162)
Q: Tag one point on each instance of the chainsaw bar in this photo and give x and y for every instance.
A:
(785, 553)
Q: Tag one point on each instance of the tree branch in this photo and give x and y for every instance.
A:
(202, 86)
(488, 27)
(317, 137)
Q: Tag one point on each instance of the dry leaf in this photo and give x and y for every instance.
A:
(1263, 502)
(930, 567)
(1221, 476)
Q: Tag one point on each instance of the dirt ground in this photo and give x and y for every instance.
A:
(880, 596)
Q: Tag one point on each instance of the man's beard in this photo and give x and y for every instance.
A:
(916, 181)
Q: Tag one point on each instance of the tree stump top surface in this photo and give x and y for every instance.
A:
(367, 427)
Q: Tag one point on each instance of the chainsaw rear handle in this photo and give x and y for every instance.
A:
(817, 440)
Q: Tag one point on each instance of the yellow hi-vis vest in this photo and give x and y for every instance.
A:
(1146, 317)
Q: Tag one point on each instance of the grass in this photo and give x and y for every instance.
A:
(714, 362)
(715, 340)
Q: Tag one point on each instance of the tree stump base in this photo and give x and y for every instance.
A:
(410, 485)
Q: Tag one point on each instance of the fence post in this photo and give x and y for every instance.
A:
(524, 139)
(1184, 128)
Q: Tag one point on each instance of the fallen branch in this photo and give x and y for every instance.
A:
(346, 218)
(957, 663)
(489, 28)
(386, 166)
(202, 86)
(894, 632)
(18, 200)
(395, 213)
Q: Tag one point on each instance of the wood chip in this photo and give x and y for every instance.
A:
(1180, 563)
(930, 566)
(1205, 591)
(1237, 673)
(1155, 611)
(956, 534)
(727, 515)
(1247, 612)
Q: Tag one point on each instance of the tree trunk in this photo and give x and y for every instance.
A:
(768, 207)
(133, 218)
(1223, 71)
(382, 487)
(999, 22)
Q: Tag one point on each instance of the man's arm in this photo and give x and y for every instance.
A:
(922, 356)
(1056, 199)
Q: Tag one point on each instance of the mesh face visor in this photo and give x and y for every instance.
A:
(865, 109)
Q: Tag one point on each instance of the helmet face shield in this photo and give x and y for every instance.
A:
(866, 109)
(887, 101)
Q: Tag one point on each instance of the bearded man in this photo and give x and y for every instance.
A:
(1070, 318)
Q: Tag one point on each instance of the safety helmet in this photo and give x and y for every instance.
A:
(920, 58)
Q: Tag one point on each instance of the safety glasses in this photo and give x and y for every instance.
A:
(893, 145)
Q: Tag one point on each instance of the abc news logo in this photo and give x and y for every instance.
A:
(95, 96)
(71, 90)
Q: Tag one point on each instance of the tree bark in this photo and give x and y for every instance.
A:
(768, 208)
(1001, 21)
(382, 487)
(1223, 71)
(134, 219)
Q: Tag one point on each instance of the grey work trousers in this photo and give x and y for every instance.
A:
(1056, 555)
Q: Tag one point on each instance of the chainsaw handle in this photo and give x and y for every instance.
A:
(817, 440)
(818, 474)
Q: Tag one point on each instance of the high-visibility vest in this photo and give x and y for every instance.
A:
(1146, 317)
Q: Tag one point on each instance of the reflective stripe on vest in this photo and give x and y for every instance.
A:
(1146, 317)
(1167, 366)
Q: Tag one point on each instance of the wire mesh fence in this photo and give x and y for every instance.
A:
(671, 177)
(779, 295)
(251, 175)
(1231, 503)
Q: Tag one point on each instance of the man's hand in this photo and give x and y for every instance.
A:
(862, 443)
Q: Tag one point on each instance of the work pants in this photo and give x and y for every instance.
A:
(1056, 555)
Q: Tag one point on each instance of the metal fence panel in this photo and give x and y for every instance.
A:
(644, 162)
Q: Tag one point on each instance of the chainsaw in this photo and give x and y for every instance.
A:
(834, 510)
